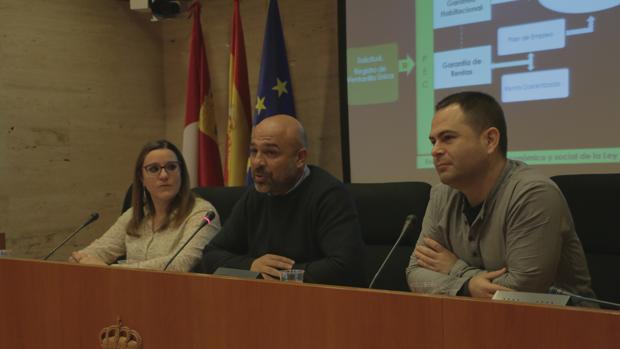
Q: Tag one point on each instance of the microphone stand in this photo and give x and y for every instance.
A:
(410, 219)
(93, 217)
(206, 220)
(556, 290)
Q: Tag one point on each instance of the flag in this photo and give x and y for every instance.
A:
(200, 148)
(275, 89)
(239, 112)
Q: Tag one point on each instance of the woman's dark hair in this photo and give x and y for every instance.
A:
(141, 201)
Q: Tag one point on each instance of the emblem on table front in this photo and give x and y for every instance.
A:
(120, 337)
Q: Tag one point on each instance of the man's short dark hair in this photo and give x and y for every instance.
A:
(481, 112)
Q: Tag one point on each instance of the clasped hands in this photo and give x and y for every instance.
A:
(433, 256)
(269, 266)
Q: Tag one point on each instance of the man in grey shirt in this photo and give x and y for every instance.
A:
(493, 223)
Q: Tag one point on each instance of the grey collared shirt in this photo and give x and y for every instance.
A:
(524, 225)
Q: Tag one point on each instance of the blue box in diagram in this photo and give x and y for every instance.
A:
(538, 85)
(531, 37)
(463, 67)
(457, 12)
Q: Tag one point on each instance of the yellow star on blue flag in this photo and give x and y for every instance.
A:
(280, 87)
(260, 105)
(275, 89)
(273, 99)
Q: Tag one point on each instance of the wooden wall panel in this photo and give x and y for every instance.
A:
(474, 323)
(58, 305)
(175, 310)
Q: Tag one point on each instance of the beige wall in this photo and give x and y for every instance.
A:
(84, 83)
(81, 89)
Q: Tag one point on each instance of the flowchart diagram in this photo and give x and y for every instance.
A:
(373, 71)
(474, 65)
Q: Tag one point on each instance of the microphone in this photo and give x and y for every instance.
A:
(93, 217)
(557, 290)
(206, 220)
(408, 222)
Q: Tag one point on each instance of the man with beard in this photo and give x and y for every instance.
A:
(295, 216)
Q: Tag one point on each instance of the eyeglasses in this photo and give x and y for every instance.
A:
(153, 170)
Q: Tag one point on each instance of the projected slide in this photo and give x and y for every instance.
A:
(551, 63)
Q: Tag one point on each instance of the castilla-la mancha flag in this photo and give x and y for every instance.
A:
(239, 114)
(200, 148)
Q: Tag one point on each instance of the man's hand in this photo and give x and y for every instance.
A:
(481, 285)
(435, 257)
(269, 265)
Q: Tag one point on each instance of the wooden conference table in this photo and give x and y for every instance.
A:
(58, 305)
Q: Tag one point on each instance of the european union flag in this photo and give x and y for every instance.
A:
(275, 90)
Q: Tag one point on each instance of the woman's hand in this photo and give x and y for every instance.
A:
(83, 258)
(75, 257)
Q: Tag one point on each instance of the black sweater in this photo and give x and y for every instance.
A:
(315, 225)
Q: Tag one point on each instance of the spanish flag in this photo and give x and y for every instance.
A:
(200, 148)
(239, 115)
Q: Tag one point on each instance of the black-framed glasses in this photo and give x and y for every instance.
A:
(153, 170)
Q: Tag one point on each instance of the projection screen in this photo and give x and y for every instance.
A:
(552, 64)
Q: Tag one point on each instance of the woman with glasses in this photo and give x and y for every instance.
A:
(163, 215)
